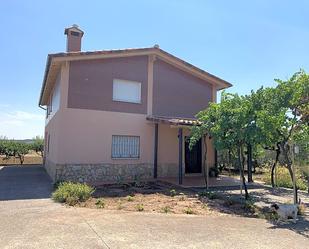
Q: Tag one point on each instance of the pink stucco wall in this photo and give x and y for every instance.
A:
(177, 93)
(85, 137)
(91, 83)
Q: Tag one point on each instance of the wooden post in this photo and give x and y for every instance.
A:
(180, 156)
(155, 154)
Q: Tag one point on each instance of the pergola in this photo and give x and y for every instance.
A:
(179, 123)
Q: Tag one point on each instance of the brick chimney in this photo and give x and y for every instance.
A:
(74, 38)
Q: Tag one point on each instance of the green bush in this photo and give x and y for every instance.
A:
(173, 192)
(189, 210)
(284, 179)
(72, 193)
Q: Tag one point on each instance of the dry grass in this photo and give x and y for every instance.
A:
(156, 202)
(31, 158)
(150, 198)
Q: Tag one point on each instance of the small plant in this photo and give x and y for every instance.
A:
(188, 210)
(137, 181)
(284, 179)
(173, 192)
(130, 198)
(72, 193)
(166, 209)
(204, 206)
(140, 207)
(272, 216)
(210, 195)
(249, 206)
(119, 206)
(100, 203)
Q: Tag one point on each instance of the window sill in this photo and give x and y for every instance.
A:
(128, 102)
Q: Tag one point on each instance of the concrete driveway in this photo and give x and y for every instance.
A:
(32, 220)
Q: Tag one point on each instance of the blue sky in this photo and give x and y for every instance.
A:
(248, 43)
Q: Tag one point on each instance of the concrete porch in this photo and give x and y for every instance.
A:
(198, 181)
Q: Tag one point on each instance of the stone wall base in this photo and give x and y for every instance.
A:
(107, 173)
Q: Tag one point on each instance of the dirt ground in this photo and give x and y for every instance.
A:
(31, 158)
(164, 198)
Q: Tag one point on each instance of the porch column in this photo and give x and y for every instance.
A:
(155, 154)
(180, 156)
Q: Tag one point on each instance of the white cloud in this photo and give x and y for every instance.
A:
(21, 124)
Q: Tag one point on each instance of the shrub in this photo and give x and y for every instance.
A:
(188, 210)
(173, 192)
(210, 195)
(204, 206)
(140, 207)
(100, 203)
(130, 198)
(250, 206)
(284, 179)
(166, 209)
(72, 193)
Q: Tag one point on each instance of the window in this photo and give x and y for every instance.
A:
(127, 91)
(54, 100)
(125, 146)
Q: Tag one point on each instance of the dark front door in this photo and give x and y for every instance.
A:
(193, 157)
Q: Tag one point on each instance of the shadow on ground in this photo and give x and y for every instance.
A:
(24, 182)
(262, 196)
(301, 227)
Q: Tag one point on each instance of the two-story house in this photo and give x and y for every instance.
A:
(121, 115)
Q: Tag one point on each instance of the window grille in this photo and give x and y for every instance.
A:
(125, 146)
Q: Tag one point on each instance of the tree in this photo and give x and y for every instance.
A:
(11, 148)
(38, 145)
(270, 117)
(229, 126)
(21, 149)
(285, 116)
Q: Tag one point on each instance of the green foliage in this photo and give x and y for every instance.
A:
(140, 207)
(173, 192)
(38, 145)
(11, 148)
(284, 180)
(130, 198)
(72, 193)
(166, 209)
(189, 210)
(267, 118)
(250, 206)
(100, 203)
(209, 194)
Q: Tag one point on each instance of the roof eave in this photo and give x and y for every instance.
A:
(71, 56)
(48, 61)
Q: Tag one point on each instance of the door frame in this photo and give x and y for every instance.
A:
(193, 174)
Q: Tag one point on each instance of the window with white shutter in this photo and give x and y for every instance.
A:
(127, 91)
